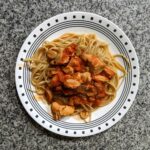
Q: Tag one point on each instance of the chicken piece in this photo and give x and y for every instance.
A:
(64, 59)
(68, 69)
(60, 75)
(77, 64)
(96, 64)
(65, 55)
(82, 77)
(99, 78)
(77, 76)
(61, 60)
(86, 77)
(59, 110)
(95, 61)
(57, 77)
(55, 81)
(51, 54)
(72, 83)
(48, 95)
(84, 114)
(52, 71)
(70, 50)
(109, 72)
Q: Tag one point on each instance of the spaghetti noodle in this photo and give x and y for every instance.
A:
(76, 73)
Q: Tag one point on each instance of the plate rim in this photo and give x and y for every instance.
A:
(69, 13)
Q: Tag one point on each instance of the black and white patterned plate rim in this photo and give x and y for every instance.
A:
(55, 24)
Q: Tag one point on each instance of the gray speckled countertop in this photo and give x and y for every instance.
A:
(17, 130)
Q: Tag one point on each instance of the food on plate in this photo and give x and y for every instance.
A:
(76, 73)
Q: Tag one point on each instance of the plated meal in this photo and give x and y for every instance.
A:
(76, 74)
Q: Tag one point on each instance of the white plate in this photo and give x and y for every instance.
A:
(78, 22)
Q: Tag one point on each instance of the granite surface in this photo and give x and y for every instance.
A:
(17, 130)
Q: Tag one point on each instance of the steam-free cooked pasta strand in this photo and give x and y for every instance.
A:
(76, 73)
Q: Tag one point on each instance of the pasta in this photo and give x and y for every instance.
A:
(76, 73)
